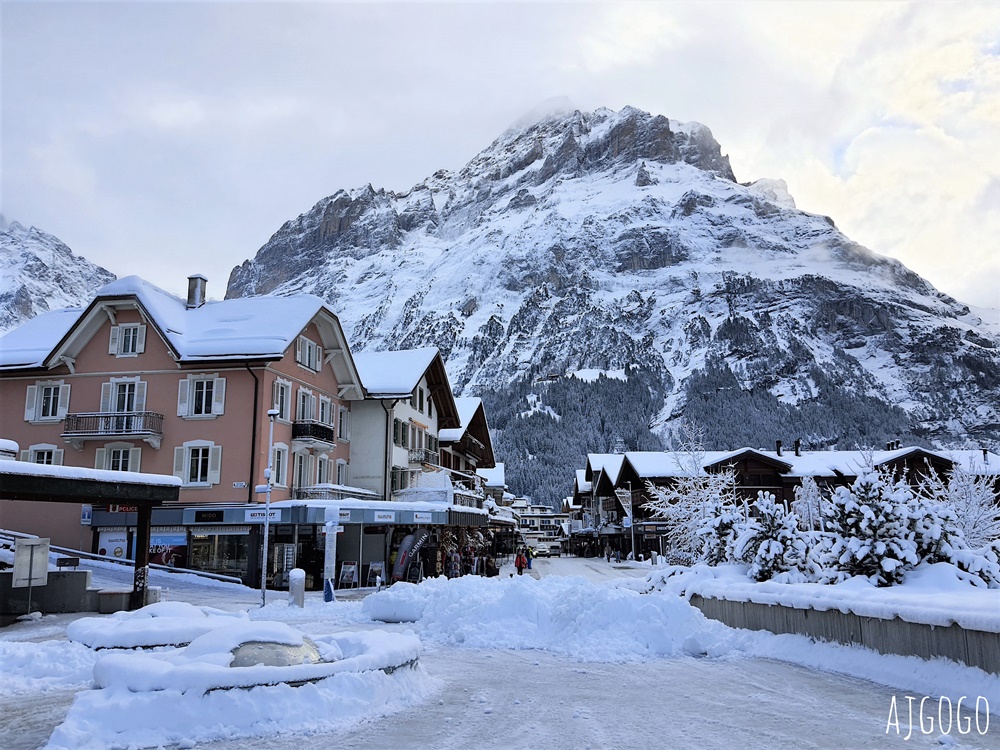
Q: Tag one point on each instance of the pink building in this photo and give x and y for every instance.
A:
(141, 380)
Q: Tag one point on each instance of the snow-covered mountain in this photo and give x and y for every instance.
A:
(38, 273)
(621, 242)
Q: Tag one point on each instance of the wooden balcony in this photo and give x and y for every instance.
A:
(142, 425)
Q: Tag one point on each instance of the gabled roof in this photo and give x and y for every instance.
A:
(608, 463)
(394, 375)
(493, 477)
(581, 483)
(473, 428)
(251, 328)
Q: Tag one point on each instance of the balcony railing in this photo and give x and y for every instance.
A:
(334, 492)
(308, 429)
(424, 456)
(146, 425)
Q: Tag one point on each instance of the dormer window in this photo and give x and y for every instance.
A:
(309, 354)
(127, 340)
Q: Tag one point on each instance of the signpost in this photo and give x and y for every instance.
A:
(330, 560)
(31, 565)
(625, 498)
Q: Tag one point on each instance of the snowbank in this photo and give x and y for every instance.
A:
(935, 594)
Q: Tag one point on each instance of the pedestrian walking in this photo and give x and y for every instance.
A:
(520, 562)
(530, 555)
(607, 551)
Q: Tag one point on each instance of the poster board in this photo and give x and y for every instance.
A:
(375, 570)
(31, 563)
(348, 573)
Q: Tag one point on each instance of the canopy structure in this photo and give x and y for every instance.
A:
(38, 483)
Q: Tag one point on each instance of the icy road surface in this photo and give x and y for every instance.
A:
(533, 699)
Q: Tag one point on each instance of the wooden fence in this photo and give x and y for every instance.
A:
(976, 648)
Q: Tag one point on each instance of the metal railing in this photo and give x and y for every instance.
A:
(113, 424)
(424, 456)
(310, 429)
(333, 492)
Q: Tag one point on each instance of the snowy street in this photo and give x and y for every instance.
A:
(572, 694)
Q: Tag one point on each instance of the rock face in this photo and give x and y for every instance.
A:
(39, 273)
(621, 242)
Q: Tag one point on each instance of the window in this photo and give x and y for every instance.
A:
(198, 463)
(123, 395)
(420, 400)
(282, 396)
(308, 354)
(118, 457)
(323, 470)
(279, 464)
(342, 477)
(343, 424)
(303, 473)
(325, 410)
(47, 400)
(127, 340)
(400, 478)
(201, 396)
(43, 453)
(306, 410)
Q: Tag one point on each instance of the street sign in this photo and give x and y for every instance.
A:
(239, 485)
(31, 563)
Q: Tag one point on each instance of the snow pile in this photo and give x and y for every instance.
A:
(160, 624)
(46, 666)
(564, 615)
(185, 696)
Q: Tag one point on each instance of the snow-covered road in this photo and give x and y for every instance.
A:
(527, 699)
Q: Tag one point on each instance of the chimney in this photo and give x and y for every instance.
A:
(798, 446)
(196, 291)
(888, 446)
(777, 447)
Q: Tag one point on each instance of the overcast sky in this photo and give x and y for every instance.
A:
(167, 139)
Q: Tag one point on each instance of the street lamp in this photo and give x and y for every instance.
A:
(271, 413)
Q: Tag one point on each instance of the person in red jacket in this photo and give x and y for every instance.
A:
(520, 562)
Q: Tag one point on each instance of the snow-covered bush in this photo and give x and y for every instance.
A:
(972, 498)
(870, 525)
(808, 504)
(718, 533)
(770, 541)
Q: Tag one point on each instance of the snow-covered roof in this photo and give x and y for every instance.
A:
(582, 485)
(493, 477)
(609, 463)
(467, 406)
(27, 468)
(393, 374)
(252, 327)
(30, 343)
(648, 464)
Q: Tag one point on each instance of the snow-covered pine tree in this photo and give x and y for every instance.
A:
(770, 540)
(718, 533)
(870, 525)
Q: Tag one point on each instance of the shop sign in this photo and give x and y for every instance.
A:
(123, 509)
(345, 516)
(258, 516)
(421, 517)
(209, 516)
(385, 516)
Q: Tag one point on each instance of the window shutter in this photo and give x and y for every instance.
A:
(140, 342)
(183, 394)
(113, 343)
(140, 396)
(101, 459)
(63, 400)
(219, 396)
(274, 395)
(215, 464)
(179, 462)
(25, 455)
(298, 349)
(134, 456)
(29, 403)
(319, 358)
(312, 407)
(106, 397)
(57, 457)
